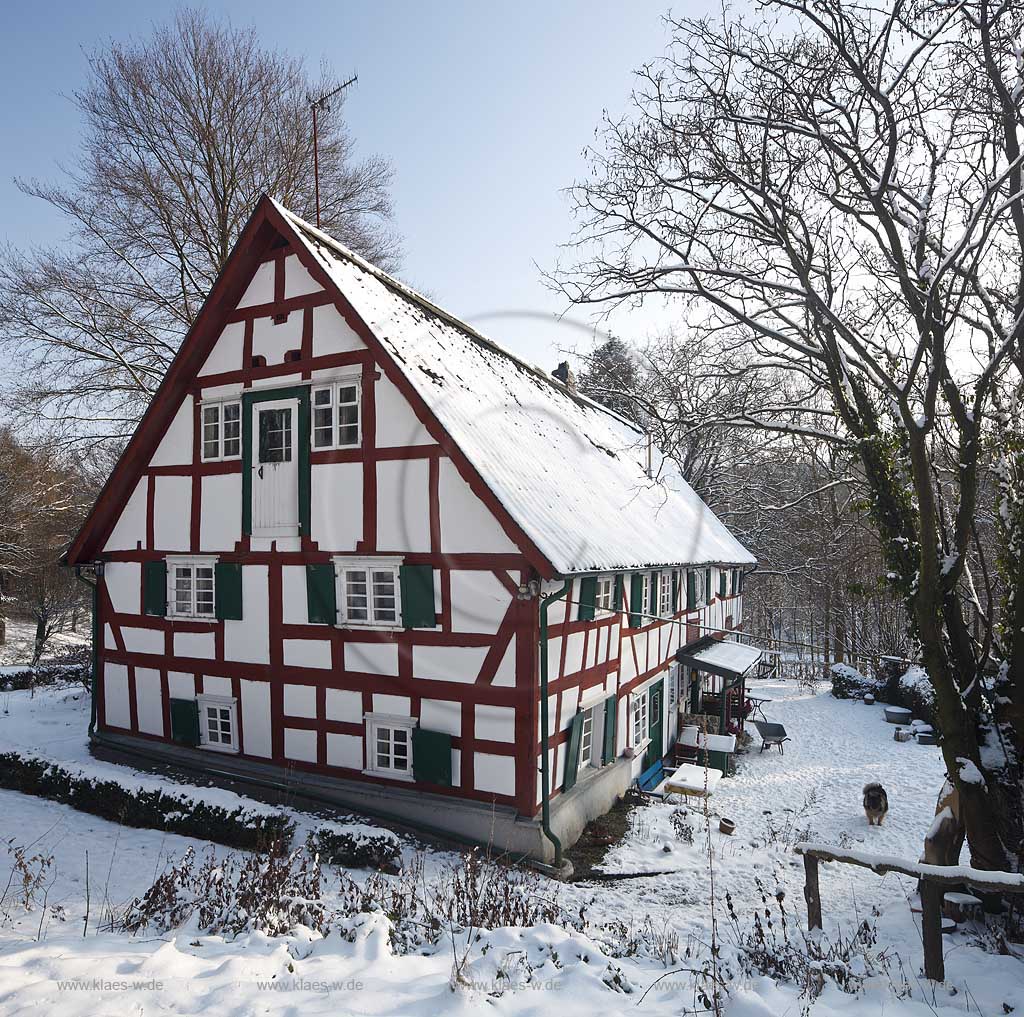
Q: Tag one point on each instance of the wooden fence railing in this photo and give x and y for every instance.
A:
(933, 879)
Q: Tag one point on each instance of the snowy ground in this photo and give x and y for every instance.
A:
(21, 634)
(46, 962)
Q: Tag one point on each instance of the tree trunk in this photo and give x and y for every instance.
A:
(40, 641)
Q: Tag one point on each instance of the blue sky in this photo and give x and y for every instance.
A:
(483, 109)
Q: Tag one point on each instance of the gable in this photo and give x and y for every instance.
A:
(284, 329)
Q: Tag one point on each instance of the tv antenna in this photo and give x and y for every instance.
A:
(323, 102)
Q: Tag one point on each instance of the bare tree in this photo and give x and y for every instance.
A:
(835, 190)
(43, 500)
(184, 131)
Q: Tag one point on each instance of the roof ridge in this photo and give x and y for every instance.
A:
(414, 295)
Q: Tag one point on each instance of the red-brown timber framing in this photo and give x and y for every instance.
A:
(265, 225)
(269, 238)
(261, 241)
(608, 651)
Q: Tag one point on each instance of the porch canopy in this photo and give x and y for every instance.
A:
(724, 657)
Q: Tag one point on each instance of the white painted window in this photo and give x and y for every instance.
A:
(222, 431)
(646, 598)
(389, 745)
(218, 723)
(674, 673)
(587, 739)
(640, 707)
(369, 592)
(665, 595)
(336, 417)
(191, 586)
(604, 598)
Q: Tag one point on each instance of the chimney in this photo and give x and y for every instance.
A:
(564, 374)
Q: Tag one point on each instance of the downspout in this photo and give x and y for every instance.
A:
(545, 776)
(93, 585)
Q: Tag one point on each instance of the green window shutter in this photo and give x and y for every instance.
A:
(154, 597)
(721, 582)
(228, 590)
(185, 721)
(739, 576)
(709, 592)
(588, 598)
(572, 755)
(432, 757)
(617, 603)
(636, 592)
(675, 590)
(691, 590)
(608, 747)
(417, 583)
(321, 594)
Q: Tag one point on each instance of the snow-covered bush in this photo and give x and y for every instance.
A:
(849, 683)
(72, 664)
(772, 943)
(915, 692)
(175, 812)
(357, 846)
(269, 893)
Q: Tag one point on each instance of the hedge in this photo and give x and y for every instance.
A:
(357, 847)
(73, 664)
(137, 807)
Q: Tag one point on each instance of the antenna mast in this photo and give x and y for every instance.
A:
(323, 102)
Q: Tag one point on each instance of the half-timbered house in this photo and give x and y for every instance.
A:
(357, 550)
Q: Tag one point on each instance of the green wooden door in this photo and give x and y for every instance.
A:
(656, 748)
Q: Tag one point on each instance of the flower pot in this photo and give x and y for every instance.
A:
(869, 699)
(727, 826)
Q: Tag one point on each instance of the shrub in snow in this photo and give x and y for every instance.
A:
(356, 846)
(175, 812)
(269, 893)
(275, 892)
(72, 664)
(849, 683)
(773, 944)
(914, 691)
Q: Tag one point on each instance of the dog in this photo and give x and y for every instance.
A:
(876, 803)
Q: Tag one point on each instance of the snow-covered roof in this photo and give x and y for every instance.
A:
(726, 655)
(567, 470)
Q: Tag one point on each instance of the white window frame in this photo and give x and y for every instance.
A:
(665, 595)
(646, 591)
(333, 387)
(375, 722)
(673, 688)
(640, 708)
(219, 405)
(604, 595)
(220, 702)
(191, 562)
(346, 564)
(587, 737)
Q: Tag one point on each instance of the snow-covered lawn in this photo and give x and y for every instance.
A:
(47, 965)
(21, 634)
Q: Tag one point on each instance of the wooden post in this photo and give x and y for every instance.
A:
(811, 894)
(931, 930)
